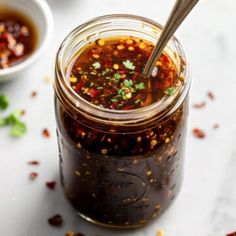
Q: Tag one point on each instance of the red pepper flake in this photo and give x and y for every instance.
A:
(94, 92)
(33, 162)
(46, 133)
(23, 112)
(198, 133)
(71, 233)
(33, 175)
(216, 126)
(34, 94)
(231, 234)
(55, 220)
(199, 105)
(51, 184)
(211, 95)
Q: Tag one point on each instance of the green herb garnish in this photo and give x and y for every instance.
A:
(96, 65)
(129, 65)
(128, 83)
(105, 72)
(140, 86)
(121, 92)
(170, 91)
(10, 119)
(114, 100)
(117, 76)
(4, 102)
(18, 127)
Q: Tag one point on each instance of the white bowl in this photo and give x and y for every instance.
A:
(40, 14)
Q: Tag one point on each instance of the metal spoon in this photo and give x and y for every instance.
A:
(181, 9)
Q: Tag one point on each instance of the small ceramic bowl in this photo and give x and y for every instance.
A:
(40, 14)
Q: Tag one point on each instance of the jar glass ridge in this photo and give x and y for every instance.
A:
(140, 192)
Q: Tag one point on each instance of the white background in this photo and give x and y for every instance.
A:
(207, 203)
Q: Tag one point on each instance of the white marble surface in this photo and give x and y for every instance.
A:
(207, 203)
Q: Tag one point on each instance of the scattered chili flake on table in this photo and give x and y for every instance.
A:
(33, 162)
(22, 112)
(211, 95)
(46, 133)
(34, 94)
(216, 126)
(55, 220)
(231, 234)
(199, 105)
(199, 133)
(33, 175)
(109, 74)
(71, 233)
(51, 185)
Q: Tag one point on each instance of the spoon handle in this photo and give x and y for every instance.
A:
(181, 9)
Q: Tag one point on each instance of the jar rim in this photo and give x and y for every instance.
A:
(67, 95)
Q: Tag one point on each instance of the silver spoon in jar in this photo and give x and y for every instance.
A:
(181, 9)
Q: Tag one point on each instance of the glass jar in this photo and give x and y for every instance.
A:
(119, 168)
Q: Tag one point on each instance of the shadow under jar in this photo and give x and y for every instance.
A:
(120, 167)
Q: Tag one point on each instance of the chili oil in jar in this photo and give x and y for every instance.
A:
(121, 136)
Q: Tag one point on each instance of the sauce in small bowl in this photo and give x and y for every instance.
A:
(26, 28)
(18, 37)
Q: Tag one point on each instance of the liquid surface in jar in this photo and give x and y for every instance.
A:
(108, 73)
(18, 37)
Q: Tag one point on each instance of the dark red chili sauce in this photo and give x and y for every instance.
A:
(121, 176)
(108, 73)
(18, 37)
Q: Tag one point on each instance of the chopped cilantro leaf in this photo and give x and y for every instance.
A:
(18, 129)
(105, 72)
(114, 99)
(121, 92)
(140, 86)
(13, 118)
(117, 76)
(96, 65)
(137, 101)
(4, 102)
(128, 83)
(170, 91)
(129, 65)
(2, 122)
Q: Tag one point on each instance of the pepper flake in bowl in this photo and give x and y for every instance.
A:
(25, 30)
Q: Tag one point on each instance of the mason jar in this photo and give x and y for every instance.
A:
(120, 168)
